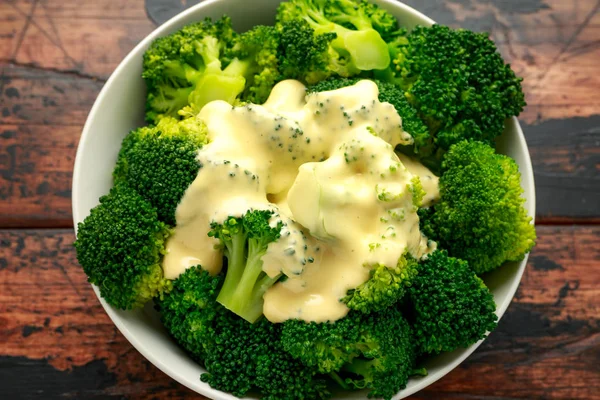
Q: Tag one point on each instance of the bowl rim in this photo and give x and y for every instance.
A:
(203, 388)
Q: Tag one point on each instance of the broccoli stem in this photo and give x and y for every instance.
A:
(236, 255)
(243, 290)
(245, 287)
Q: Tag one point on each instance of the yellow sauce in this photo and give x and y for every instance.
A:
(325, 164)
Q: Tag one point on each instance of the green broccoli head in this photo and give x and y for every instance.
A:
(389, 93)
(305, 55)
(480, 217)
(120, 246)
(255, 55)
(457, 81)
(452, 306)
(245, 240)
(160, 162)
(363, 351)
(176, 64)
(241, 356)
(356, 47)
(189, 310)
(385, 287)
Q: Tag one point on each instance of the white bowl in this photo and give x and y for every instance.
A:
(120, 108)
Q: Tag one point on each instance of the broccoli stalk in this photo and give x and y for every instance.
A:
(245, 240)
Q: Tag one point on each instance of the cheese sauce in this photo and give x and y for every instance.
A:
(324, 163)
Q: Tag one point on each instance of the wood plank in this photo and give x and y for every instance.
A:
(33, 96)
(546, 346)
(36, 163)
(566, 158)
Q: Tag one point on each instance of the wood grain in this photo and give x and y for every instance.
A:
(546, 347)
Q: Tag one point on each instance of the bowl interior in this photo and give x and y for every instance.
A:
(119, 108)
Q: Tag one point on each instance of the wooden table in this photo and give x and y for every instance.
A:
(55, 339)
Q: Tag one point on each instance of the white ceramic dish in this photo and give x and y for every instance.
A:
(120, 107)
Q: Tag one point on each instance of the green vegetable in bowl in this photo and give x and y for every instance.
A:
(458, 83)
(245, 240)
(301, 240)
(120, 246)
(374, 351)
(159, 162)
(480, 217)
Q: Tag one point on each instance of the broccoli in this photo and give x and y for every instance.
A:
(385, 287)
(304, 55)
(120, 246)
(245, 240)
(452, 306)
(160, 162)
(189, 310)
(242, 356)
(374, 351)
(459, 84)
(255, 54)
(357, 45)
(175, 65)
(390, 93)
(208, 61)
(480, 217)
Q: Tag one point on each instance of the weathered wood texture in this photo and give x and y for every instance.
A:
(57, 341)
(55, 57)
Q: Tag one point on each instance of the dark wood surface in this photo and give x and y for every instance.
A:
(57, 342)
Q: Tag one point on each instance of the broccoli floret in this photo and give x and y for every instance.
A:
(120, 246)
(452, 306)
(356, 47)
(208, 61)
(385, 287)
(175, 65)
(383, 22)
(189, 310)
(242, 356)
(304, 55)
(389, 93)
(457, 81)
(160, 162)
(375, 351)
(480, 217)
(245, 240)
(255, 55)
